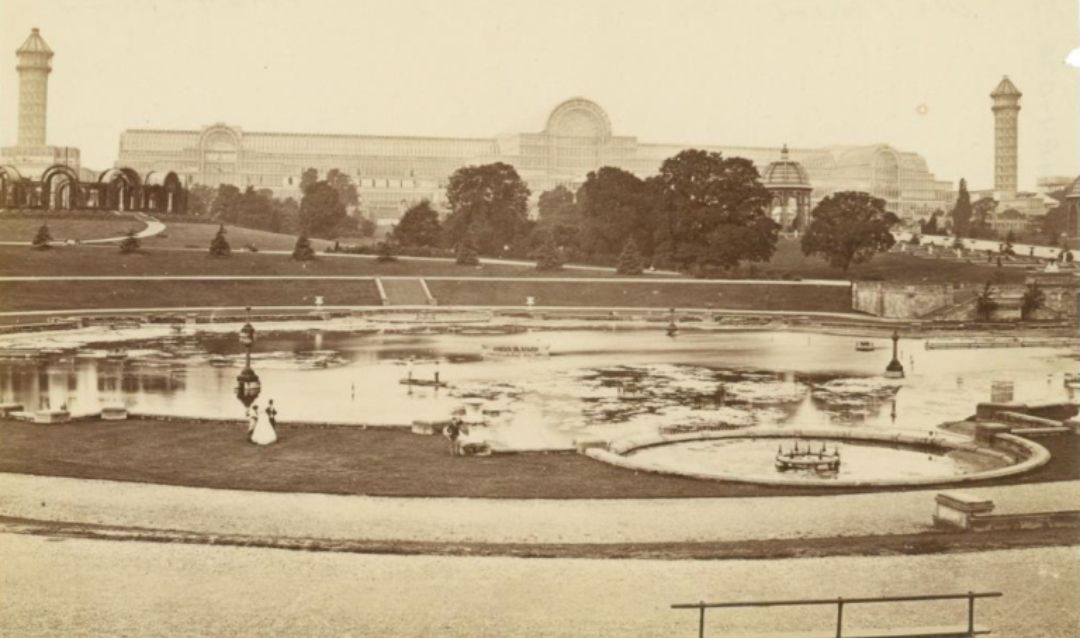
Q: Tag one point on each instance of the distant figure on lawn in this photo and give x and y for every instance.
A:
(262, 433)
(271, 414)
(452, 432)
(252, 418)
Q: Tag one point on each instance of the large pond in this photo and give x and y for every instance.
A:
(602, 384)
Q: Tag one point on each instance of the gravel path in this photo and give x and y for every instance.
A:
(495, 521)
(107, 588)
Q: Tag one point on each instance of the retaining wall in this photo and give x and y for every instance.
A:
(633, 293)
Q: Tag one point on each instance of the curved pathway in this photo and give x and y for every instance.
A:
(294, 515)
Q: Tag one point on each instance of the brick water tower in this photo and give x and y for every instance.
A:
(1006, 110)
(34, 63)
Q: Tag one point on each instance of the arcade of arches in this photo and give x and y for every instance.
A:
(121, 189)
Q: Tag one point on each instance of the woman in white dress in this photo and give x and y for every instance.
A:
(262, 433)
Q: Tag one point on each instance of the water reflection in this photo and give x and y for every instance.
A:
(596, 383)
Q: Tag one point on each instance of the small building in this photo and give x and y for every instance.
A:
(789, 185)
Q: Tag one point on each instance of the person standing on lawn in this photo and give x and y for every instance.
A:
(452, 432)
(271, 414)
(262, 433)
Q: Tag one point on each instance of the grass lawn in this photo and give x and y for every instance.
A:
(69, 295)
(194, 235)
(20, 261)
(25, 228)
(344, 460)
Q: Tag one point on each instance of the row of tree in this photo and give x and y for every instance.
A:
(973, 220)
(321, 212)
(701, 213)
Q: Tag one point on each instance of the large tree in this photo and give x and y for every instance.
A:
(419, 226)
(615, 206)
(982, 212)
(713, 211)
(321, 212)
(1060, 220)
(200, 199)
(223, 208)
(346, 189)
(849, 228)
(962, 212)
(560, 213)
(488, 203)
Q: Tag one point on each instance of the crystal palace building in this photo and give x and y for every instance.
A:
(394, 172)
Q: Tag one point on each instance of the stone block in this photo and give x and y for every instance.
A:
(51, 416)
(956, 509)
(7, 409)
(114, 413)
(985, 432)
(426, 427)
(590, 444)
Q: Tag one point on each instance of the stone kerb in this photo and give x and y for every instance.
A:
(1023, 455)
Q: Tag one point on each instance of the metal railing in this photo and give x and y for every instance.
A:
(840, 603)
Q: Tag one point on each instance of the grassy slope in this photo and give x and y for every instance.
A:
(106, 261)
(890, 267)
(25, 228)
(189, 235)
(89, 260)
(355, 461)
(69, 295)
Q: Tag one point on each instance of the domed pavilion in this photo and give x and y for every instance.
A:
(790, 188)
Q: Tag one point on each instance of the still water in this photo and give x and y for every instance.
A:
(605, 384)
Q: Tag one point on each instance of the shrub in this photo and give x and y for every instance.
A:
(630, 262)
(386, 252)
(219, 246)
(303, 251)
(42, 238)
(548, 258)
(130, 244)
(465, 255)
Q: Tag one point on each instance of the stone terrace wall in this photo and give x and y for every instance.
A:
(653, 293)
(911, 301)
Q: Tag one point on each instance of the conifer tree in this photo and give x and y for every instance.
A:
(548, 258)
(465, 253)
(630, 259)
(130, 243)
(303, 251)
(42, 238)
(219, 246)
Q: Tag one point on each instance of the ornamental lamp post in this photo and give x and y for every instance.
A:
(247, 382)
(895, 369)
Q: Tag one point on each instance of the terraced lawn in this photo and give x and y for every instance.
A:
(25, 228)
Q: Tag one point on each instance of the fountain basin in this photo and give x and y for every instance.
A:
(870, 458)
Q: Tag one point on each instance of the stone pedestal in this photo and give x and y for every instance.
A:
(955, 509)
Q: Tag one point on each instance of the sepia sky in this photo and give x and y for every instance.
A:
(912, 73)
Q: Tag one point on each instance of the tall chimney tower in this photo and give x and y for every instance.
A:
(1006, 110)
(34, 65)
